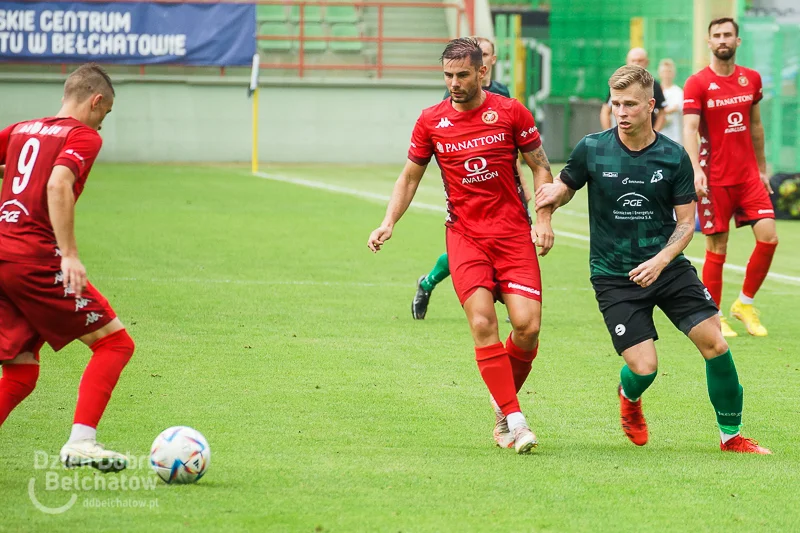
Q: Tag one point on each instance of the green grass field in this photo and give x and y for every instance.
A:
(262, 320)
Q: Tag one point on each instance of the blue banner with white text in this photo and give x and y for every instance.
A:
(130, 33)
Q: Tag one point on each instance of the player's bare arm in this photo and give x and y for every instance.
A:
(648, 272)
(526, 187)
(691, 125)
(61, 207)
(543, 231)
(757, 134)
(404, 190)
(554, 194)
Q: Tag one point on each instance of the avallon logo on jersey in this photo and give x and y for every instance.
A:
(490, 116)
(478, 171)
(735, 123)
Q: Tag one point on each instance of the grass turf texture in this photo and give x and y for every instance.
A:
(262, 320)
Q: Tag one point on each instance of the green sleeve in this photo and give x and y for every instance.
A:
(576, 172)
(683, 191)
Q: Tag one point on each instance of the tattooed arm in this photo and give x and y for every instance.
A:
(542, 233)
(647, 273)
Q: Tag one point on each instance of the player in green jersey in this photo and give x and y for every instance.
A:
(637, 178)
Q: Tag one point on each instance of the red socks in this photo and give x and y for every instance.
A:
(521, 361)
(712, 275)
(758, 267)
(109, 356)
(496, 371)
(17, 383)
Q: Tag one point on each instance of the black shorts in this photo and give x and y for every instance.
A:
(628, 308)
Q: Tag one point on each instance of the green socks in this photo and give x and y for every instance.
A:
(725, 392)
(633, 385)
(439, 273)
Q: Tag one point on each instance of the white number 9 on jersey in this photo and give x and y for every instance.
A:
(27, 159)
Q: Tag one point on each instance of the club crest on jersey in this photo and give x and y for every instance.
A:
(490, 116)
(657, 176)
(743, 81)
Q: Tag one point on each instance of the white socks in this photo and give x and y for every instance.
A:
(725, 437)
(82, 432)
(744, 299)
(516, 420)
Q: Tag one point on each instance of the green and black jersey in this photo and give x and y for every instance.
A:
(631, 197)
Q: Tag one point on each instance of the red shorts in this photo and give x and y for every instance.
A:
(746, 202)
(506, 265)
(35, 308)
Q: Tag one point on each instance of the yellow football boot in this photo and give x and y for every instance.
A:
(727, 330)
(749, 317)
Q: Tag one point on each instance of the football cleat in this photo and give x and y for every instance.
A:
(632, 419)
(727, 330)
(524, 440)
(502, 435)
(740, 444)
(90, 453)
(419, 306)
(749, 317)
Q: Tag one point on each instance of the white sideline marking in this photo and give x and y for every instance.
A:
(794, 280)
(251, 282)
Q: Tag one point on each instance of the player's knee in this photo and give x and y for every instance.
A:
(119, 342)
(483, 325)
(719, 247)
(528, 333)
(643, 367)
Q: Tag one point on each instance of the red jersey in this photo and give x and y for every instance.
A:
(724, 104)
(477, 152)
(30, 150)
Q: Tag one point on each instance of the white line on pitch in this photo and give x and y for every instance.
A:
(202, 281)
(439, 208)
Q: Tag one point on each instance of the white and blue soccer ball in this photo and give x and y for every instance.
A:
(180, 455)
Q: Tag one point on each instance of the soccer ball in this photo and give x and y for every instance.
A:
(180, 454)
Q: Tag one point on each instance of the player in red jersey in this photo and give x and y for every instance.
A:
(44, 293)
(721, 101)
(475, 137)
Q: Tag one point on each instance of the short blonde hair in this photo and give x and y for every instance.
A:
(626, 76)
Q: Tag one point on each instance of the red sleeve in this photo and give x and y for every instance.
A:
(5, 136)
(79, 152)
(421, 149)
(692, 96)
(757, 87)
(526, 134)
